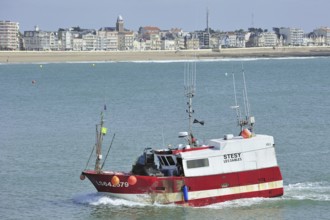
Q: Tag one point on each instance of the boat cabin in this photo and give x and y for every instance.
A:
(224, 155)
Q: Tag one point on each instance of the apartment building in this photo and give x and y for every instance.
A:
(107, 39)
(267, 39)
(65, 39)
(40, 40)
(9, 35)
(292, 36)
(323, 34)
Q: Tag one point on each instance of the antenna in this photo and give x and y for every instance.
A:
(245, 94)
(238, 112)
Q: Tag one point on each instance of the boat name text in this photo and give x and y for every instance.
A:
(109, 184)
(232, 157)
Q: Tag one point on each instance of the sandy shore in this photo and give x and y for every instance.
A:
(90, 56)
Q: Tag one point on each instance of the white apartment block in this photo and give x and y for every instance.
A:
(77, 44)
(155, 42)
(65, 40)
(107, 40)
(89, 42)
(125, 40)
(40, 40)
(9, 35)
(267, 39)
(168, 45)
(292, 36)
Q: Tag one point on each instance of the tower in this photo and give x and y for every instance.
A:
(120, 24)
(207, 21)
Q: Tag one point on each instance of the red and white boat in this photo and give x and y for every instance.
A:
(228, 168)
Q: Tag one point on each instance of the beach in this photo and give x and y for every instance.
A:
(116, 56)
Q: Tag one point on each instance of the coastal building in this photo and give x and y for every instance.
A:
(139, 45)
(230, 40)
(77, 44)
(292, 36)
(9, 35)
(125, 37)
(146, 31)
(168, 45)
(65, 39)
(89, 42)
(125, 40)
(322, 35)
(107, 39)
(191, 42)
(180, 43)
(267, 39)
(40, 40)
(204, 39)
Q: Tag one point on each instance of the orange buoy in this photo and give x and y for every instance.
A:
(115, 180)
(246, 133)
(131, 180)
(82, 177)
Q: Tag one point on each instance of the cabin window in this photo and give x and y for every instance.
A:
(170, 160)
(197, 163)
(161, 160)
(165, 161)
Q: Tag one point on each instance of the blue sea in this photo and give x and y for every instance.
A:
(48, 114)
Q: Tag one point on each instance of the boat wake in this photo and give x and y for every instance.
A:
(98, 199)
(314, 191)
(309, 191)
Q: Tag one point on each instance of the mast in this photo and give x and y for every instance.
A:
(249, 120)
(190, 88)
(100, 132)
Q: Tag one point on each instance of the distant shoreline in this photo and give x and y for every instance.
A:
(161, 55)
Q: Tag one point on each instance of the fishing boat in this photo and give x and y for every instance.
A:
(227, 168)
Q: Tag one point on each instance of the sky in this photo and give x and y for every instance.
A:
(190, 15)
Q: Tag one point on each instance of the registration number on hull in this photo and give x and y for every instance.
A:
(109, 184)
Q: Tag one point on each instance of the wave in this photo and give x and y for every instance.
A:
(315, 191)
(97, 199)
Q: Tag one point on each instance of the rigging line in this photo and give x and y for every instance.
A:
(245, 108)
(246, 95)
(108, 150)
(89, 157)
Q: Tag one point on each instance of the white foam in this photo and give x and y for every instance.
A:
(240, 203)
(316, 191)
(97, 199)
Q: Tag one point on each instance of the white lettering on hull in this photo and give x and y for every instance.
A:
(109, 184)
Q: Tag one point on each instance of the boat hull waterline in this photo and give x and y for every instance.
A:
(202, 190)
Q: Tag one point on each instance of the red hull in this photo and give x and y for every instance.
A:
(203, 190)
